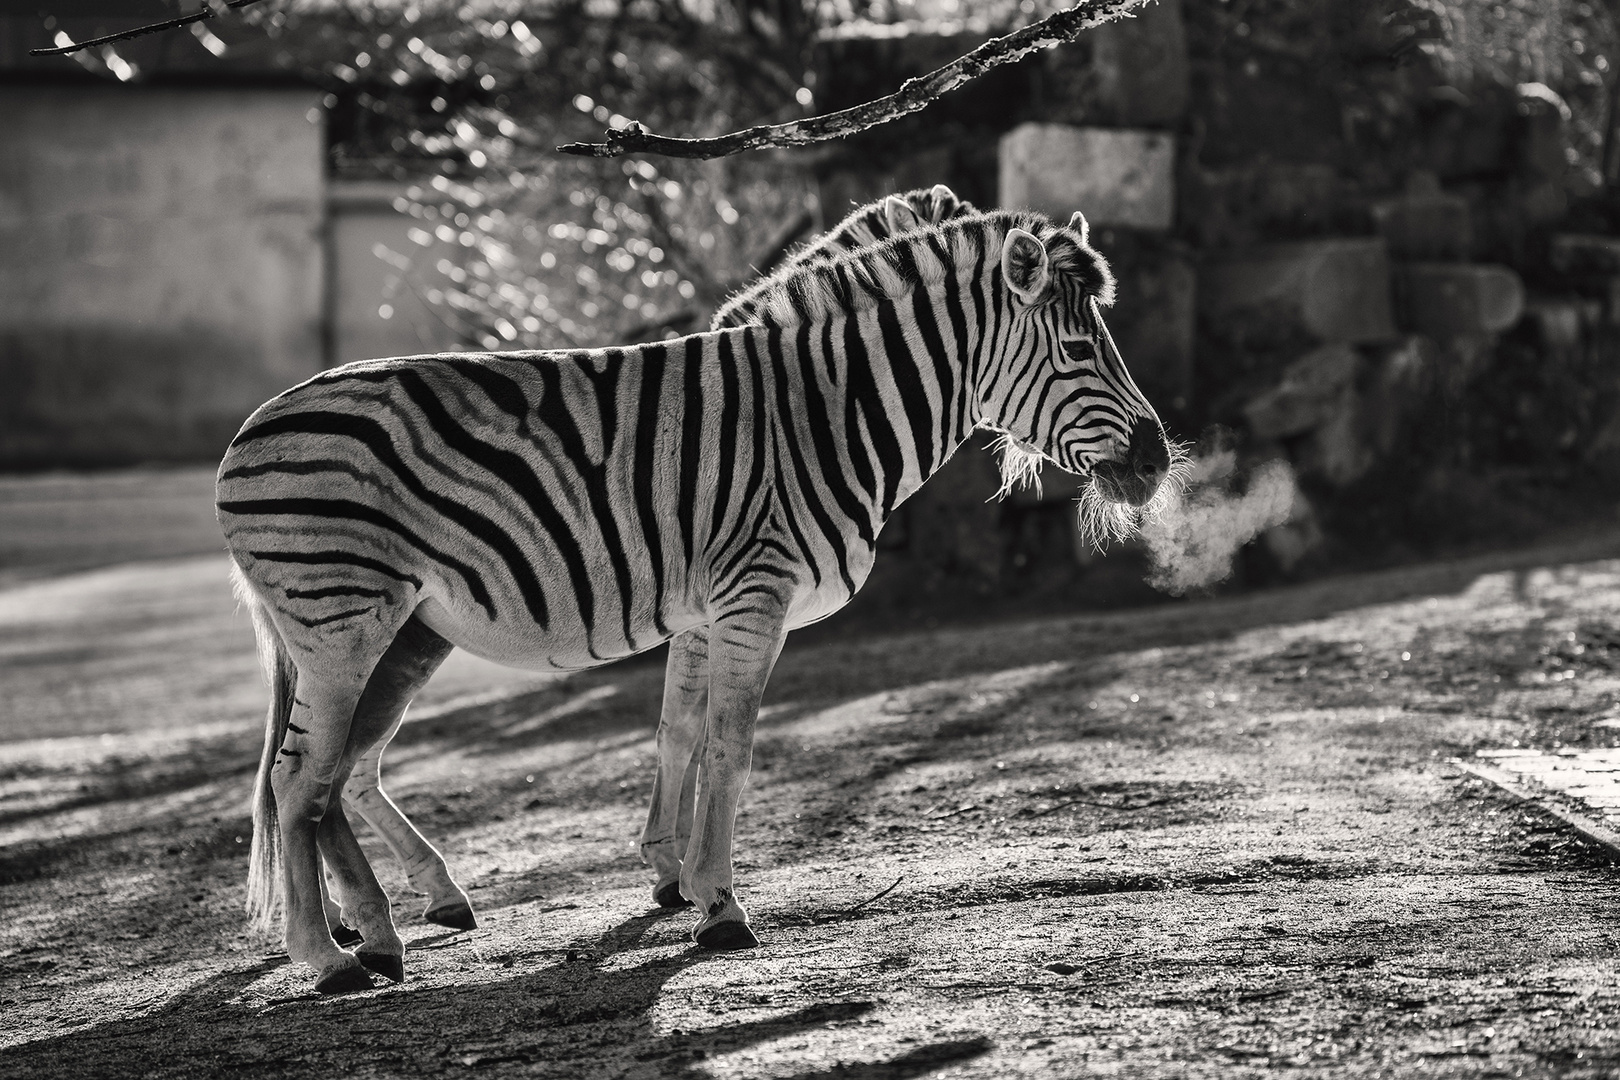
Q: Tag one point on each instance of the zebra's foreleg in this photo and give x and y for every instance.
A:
(342, 932)
(680, 732)
(304, 779)
(744, 642)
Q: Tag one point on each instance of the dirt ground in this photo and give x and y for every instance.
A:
(1218, 838)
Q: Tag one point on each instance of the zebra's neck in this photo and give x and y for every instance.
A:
(881, 396)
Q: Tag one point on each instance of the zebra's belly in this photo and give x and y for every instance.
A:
(527, 646)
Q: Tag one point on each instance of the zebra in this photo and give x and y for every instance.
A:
(425, 868)
(561, 510)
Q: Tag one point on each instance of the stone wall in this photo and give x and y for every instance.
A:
(1324, 245)
(161, 266)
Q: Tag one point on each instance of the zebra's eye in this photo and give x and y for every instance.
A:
(1081, 350)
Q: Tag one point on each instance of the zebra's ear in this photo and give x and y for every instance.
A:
(1078, 224)
(1026, 265)
(899, 215)
(945, 201)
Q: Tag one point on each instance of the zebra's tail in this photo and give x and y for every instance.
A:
(264, 861)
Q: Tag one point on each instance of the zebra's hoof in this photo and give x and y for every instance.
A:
(457, 916)
(668, 895)
(346, 935)
(343, 977)
(387, 965)
(727, 936)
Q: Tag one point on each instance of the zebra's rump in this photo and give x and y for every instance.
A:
(465, 479)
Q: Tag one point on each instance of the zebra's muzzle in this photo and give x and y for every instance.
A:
(1138, 476)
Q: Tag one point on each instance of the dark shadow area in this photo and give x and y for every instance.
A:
(572, 1018)
(117, 779)
(625, 698)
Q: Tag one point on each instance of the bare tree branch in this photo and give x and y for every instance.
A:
(913, 95)
(207, 11)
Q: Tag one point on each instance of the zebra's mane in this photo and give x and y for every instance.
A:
(862, 227)
(860, 279)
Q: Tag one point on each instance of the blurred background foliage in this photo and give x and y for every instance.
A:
(521, 247)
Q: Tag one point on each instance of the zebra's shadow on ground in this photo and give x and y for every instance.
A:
(584, 1014)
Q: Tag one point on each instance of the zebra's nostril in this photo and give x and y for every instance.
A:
(1149, 455)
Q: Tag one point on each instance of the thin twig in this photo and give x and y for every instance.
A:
(206, 12)
(913, 95)
(880, 895)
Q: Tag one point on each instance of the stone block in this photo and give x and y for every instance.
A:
(1396, 391)
(953, 523)
(1127, 73)
(1427, 227)
(1290, 542)
(1543, 137)
(1154, 317)
(1579, 254)
(1542, 202)
(1311, 392)
(1312, 290)
(1337, 450)
(1559, 323)
(1451, 299)
(1116, 178)
(1599, 296)
(1467, 136)
(1261, 201)
(860, 61)
(372, 253)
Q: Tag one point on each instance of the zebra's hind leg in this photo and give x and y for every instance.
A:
(405, 665)
(680, 732)
(744, 641)
(364, 901)
(411, 660)
(308, 768)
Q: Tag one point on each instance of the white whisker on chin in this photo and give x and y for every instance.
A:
(1104, 521)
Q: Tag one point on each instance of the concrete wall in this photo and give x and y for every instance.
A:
(161, 268)
(377, 272)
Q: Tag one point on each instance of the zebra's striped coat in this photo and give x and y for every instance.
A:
(669, 821)
(560, 510)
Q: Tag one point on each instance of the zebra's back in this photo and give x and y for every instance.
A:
(543, 510)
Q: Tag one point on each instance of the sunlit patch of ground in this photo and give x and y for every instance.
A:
(1203, 840)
